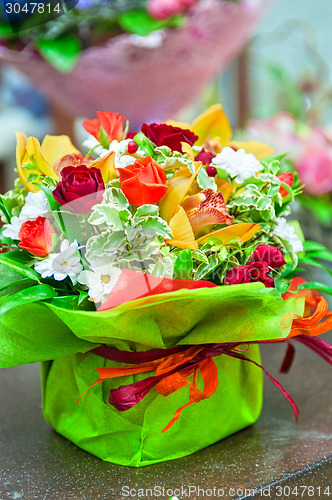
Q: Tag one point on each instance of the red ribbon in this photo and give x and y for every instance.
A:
(175, 365)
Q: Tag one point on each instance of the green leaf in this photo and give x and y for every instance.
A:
(62, 52)
(13, 283)
(103, 138)
(141, 23)
(82, 296)
(282, 286)
(18, 267)
(6, 211)
(315, 285)
(33, 294)
(204, 181)
(155, 226)
(145, 144)
(313, 246)
(183, 267)
(147, 210)
(322, 255)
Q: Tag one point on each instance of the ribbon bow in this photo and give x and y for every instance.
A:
(174, 366)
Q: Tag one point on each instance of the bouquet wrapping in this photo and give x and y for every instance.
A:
(176, 236)
(116, 73)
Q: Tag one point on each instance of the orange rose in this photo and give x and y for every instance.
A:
(36, 236)
(106, 127)
(143, 182)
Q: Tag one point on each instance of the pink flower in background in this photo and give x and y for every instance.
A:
(315, 169)
(309, 148)
(163, 9)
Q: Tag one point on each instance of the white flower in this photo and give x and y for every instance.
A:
(100, 281)
(151, 41)
(238, 164)
(36, 205)
(11, 230)
(92, 143)
(63, 264)
(286, 232)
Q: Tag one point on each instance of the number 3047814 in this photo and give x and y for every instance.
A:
(32, 8)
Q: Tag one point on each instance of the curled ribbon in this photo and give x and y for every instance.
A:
(174, 366)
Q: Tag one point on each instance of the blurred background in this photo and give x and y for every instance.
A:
(268, 63)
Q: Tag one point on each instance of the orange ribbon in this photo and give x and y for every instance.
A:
(317, 322)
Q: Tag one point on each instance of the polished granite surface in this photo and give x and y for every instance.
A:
(292, 460)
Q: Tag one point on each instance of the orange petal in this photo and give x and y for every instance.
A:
(178, 186)
(210, 211)
(244, 231)
(183, 236)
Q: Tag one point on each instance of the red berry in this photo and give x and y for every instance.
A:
(211, 171)
(132, 147)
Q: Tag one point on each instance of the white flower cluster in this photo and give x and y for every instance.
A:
(286, 232)
(62, 264)
(238, 164)
(36, 205)
(120, 148)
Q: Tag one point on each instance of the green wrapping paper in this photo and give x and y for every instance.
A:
(60, 336)
(134, 437)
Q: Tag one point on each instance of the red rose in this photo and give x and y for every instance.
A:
(252, 272)
(167, 135)
(269, 254)
(36, 236)
(107, 126)
(205, 157)
(81, 187)
(287, 178)
(143, 182)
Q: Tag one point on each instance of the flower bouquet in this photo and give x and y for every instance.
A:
(115, 51)
(163, 258)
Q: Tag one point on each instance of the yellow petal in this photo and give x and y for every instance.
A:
(55, 147)
(178, 187)
(34, 154)
(107, 167)
(184, 125)
(244, 231)
(258, 149)
(212, 123)
(183, 236)
(224, 187)
(186, 148)
(21, 158)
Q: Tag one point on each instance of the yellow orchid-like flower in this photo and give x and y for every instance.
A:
(213, 129)
(51, 156)
(185, 215)
(33, 158)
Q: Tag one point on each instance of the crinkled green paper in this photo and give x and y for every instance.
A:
(54, 331)
(237, 313)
